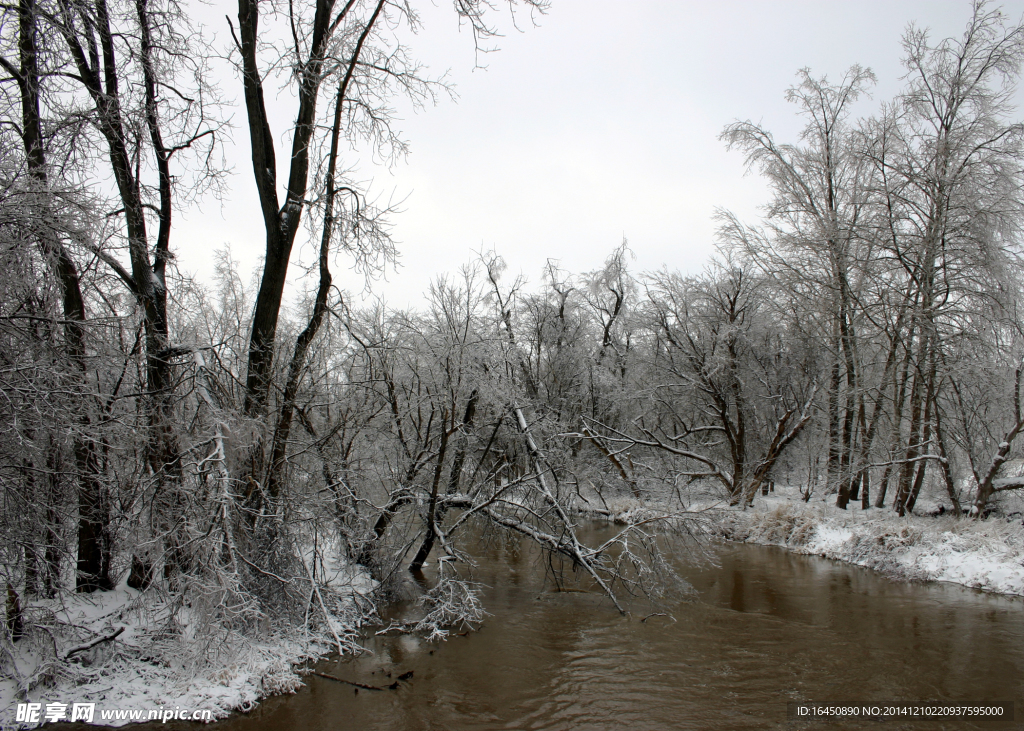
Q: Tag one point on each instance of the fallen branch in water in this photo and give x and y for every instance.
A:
(358, 685)
(658, 614)
(569, 590)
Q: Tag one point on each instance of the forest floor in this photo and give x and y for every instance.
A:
(983, 554)
(159, 654)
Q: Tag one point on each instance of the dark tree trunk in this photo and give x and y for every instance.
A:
(431, 531)
(852, 396)
(279, 451)
(947, 472)
(917, 396)
(832, 474)
(930, 404)
(94, 545)
(899, 400)
(282, 222)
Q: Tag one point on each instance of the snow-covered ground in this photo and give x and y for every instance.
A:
(162, 660)
(983, 554)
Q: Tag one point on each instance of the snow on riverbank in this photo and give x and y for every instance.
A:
(987, 554)
(165, 657)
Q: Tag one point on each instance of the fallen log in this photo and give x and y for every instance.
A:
(89, 646)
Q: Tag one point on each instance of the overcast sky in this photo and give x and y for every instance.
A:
(599, 122)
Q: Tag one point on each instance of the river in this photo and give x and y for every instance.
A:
(766, 627)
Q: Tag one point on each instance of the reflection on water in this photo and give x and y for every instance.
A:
(767, 627)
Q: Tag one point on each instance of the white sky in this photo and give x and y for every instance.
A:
(598, 124)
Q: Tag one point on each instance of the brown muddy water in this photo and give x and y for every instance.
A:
(767, 627)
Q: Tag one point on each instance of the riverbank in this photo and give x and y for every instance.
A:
(768, 627)
(158, 662)
(986, 554)
(129, 652)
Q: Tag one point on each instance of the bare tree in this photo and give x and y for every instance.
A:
(94, 545)
(951, 170)
(820, 198)
(713, 343)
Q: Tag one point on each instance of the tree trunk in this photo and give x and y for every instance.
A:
(986, 486)
(899, 400)
(279, 450)
(431, 532)
(832, 474)
(930, 405)
(94, 545)
(282, 222)
(852, 395)
(947, 472)
(917, 395)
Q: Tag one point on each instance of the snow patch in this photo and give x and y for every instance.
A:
(982, 554)
(166, 654)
